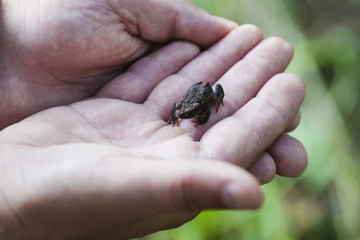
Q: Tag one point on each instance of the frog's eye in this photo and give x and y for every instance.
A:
(192, 108)
(196, 105)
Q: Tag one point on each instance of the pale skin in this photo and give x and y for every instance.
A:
(109, 166)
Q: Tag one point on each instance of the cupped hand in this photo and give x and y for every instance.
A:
(110, 167)
(65, 51)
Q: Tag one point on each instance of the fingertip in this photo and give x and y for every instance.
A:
(264, 169)
(238, 188)
(209, 184)
(197, 25)
(299, 165)
(285, 92)
(296, 84)
(284, 47)
(290, 156)
(295, 88)
(295, 122)
(238, 196)
(253, 29)
(226, 22)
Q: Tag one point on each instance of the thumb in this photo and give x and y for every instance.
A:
(162, 194)
(163, 20)
(178, 185)
(91, 190)
(206, 184)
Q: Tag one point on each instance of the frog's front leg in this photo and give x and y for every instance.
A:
(173, 119)
(202, 117)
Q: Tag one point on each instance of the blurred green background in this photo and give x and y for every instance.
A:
(324, 203)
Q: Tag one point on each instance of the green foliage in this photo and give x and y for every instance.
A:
(324, 203)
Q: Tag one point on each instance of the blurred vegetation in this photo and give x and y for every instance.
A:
(324, 203)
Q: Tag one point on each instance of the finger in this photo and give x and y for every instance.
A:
(208, 66)
(245, 135)
(243, 81)
(161, 21)
(84, 189)
(137, 82)
(289, 155)
(264, 169)
(246, 78)
(207, 185)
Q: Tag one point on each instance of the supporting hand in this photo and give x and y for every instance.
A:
(56, 52)
(109, 166)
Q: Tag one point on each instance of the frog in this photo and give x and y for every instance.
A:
(196, 103)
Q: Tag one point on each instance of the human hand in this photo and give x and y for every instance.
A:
(110, 167)
(65, 51)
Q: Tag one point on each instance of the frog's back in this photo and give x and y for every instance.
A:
(199, 93)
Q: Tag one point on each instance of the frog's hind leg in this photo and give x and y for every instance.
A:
(201, 118)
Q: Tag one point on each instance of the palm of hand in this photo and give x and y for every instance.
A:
(150, 87)
(128, 118)
(141, 126)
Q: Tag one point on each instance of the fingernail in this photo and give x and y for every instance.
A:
(234, 197)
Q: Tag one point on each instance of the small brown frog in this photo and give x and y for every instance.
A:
(196, 103)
